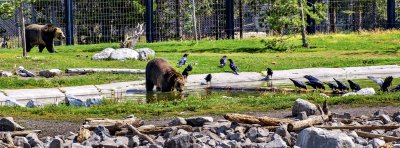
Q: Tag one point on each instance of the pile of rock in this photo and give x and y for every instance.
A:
(124, 54)
(21, 71)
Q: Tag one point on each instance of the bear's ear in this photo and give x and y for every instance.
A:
(49, 28)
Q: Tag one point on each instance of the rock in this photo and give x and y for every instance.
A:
(124, 54)
(12, 102)
(146, 53)
(94, 101)
(324, 95)
(182, 141)
(182, 132)
(93, 141)
(277, 142)
(385, 118)
(21, 142)
(8, 124)
(102, 132)
(315, 137)
(83, 135)
(396, 146)
(302, 116)
(254, 132)
(108, 143)
(285, 135)
(198, 121)
(233, 144)
(353, 134)
(376, 143)
(103, 55)
(33, 104)
(34, 141)
(50, 73)
(56, 143)
(177, 121)
(378, 113)
(397, 118)
(349, 94)
(211, 142)
(301, 105)
(159, 140)
(236, 136)
(122, 141)
(366, 92)
(361, 141)
(5, 74)
(21, 71)
(77, 145)
(73, 101)
(134, 141)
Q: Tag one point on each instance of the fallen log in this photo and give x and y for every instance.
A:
(370, 135)
(312, 120)
(139, 134)
(267, 89)
(364, 128)
(111, 124)
(155, 130)
(104, 70)
(264, 121)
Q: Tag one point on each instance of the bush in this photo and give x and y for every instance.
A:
(278, 44)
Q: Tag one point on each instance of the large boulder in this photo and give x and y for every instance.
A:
(8, 124)
(315, 138)
(301, 105)
(103, 55)
(50, 73)
(145, 53)
(74, 101)
(124, 54)
(366, 91)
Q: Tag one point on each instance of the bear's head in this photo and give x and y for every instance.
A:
(177, 81)
(57, 32)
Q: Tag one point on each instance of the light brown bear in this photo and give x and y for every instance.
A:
(160, 73)
(42, 35)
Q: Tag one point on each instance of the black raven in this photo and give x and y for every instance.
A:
(186, 71)
(234, 68)
(314, 82)
(354, 86)
(384, 85)
(208, 79)
(342, 86)
(269, 73)
(332, 85)
(222, 62)
(182, 61)
(396, 89)
(311, 78)
(298, 84)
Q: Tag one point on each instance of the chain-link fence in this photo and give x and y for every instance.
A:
(99, 21)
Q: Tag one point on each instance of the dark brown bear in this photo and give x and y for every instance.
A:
(42, 35)
(160, 73)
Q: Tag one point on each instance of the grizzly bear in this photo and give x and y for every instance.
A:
(160, 73)
(43, 36)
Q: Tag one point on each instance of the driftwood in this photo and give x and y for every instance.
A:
(104, 70)
(312, 120)
(265, 121)
(370, 135)
(23, 133)
(364, 128)
(139, 134)
(267, 89)
(155, 130)
(110, 124)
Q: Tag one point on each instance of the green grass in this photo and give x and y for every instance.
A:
(214, 104)
(330, 50)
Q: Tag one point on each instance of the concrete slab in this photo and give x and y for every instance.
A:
(218, 78)
(2, 98)
(45, 95)
(82, 92)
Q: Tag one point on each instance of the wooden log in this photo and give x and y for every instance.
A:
(370, 135)
(264, 121)
(23, 133)
(139, 134)
(104, 70)
(155, 130)
(111, 124)
(312, 120)
(267, 89)
(364, 128)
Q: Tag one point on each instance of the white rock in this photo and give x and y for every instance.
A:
(145, 53)
(303, 105)
(315, 138)
(5, 74)
(124, 54)
(366, 91)
(376, 143)
(103, 55)
(349, 94)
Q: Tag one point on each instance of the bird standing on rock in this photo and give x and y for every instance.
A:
(298, 84)
(208, 79)
(186, 71)
(182, 61)
(234, 68)
(354, 86)
(222, 62)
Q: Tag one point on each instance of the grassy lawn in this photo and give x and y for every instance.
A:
(331, 50)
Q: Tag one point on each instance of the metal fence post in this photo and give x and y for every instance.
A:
(391, 14)
(229, 19)
(69, 24)
(149, 20)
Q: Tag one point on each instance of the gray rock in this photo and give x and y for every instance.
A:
(366, 92)
(277, 142)
(361, 141)
(160, 140)
(102, 132)
(301, 105)
(21, 71)
(50, 73)
(122, 141)
(211, 143)
(12, 102)
(396, 146)
(77, 145)
(285, 135)
(182, 132)
(145, 53)
(233, 144)
(124, 54)
(5, 74)
(302, 116)
(385, 118)
(315, 137)
(93, 141)
(94, 101)
(177, 121)
(8, 124)
(198, 121)
(103, 55)
(34, 141)
(108, 143)
(134, 141)
(397, 118)
(56, 143)
(74, 101)
(236, 136)
(254, 132)
(21, 142)
(182, 141)
(33, 104)
(379, 112)
(376, 143)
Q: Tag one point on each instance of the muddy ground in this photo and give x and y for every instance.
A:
(53, 128)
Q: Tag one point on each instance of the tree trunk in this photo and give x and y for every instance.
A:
(22, 23)
(303, 27)
(332, 16)
(178, 28)
(357, 16)
(313, 120)
(241, 18)
(194, 19)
